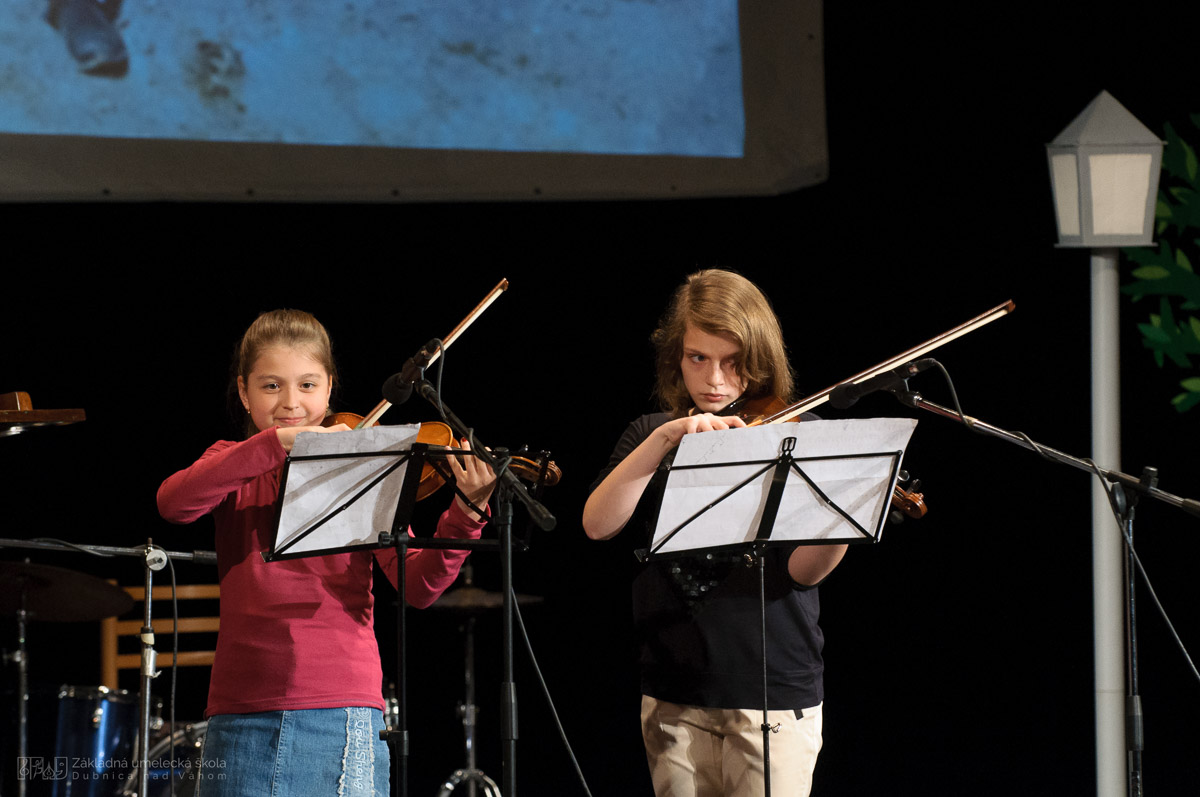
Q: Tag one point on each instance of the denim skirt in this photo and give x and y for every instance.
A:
(305, 753)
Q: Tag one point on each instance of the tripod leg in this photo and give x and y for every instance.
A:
(472, 778)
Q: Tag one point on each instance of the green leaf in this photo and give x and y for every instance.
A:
(1194, 324)
(1141, 254)
(1151, 273)
(1166, 313)
(1173, 161)
(1185, 401)
(1191, 384)
(1182, 259)
(1189, 155)
(1154, 333)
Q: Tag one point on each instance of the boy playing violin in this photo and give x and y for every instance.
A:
(698, 618)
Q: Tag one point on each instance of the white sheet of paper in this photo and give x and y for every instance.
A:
(317, 488)
(860, 486)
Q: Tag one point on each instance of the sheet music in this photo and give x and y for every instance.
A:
(861, 486)
(317, 488)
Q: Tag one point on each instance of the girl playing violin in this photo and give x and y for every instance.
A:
(295, 703)
(697, 619)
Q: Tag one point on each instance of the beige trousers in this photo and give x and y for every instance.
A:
(715, 752)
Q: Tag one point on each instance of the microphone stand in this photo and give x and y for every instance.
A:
(508, 487)
(1146, 485)
(1123, 498)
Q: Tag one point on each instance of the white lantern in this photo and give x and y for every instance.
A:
(1104, 174)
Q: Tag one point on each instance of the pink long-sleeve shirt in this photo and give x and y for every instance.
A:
(297, 633)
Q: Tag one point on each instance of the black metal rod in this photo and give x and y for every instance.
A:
(508, 693)
(1189, 505)
(761, 556)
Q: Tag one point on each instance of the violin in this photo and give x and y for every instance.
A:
(541, 471)
(758, 411)
(775, 410)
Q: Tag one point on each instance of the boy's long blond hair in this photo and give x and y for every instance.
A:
(727, 304)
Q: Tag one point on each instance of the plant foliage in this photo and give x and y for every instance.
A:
(1166, 272)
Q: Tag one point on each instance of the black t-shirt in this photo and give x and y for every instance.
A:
(699, 621)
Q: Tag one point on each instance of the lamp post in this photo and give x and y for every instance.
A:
(1104, 175)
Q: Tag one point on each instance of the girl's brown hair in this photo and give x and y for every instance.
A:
(727, 304)
(292, 329)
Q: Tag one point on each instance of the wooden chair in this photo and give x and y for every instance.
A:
(113, 630)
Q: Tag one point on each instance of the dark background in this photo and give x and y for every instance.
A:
(959, 650)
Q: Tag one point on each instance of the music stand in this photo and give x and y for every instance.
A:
(341, 493)
(746, 489)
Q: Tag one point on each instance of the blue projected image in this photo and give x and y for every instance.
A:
(658, 77)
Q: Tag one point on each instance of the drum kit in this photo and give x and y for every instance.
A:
(96, 739)
(96, 750)
(96, 735)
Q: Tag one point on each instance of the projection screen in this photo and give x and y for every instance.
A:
(402, 100)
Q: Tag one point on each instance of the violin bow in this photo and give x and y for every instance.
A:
(792, 410)
(373, 416)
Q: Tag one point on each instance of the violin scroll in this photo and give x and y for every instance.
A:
(535, 467)
(907, 502)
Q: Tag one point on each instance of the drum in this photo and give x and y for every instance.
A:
(94, 743)
(182, 765)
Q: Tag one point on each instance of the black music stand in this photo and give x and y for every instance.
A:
(335, 487)
(746, 490)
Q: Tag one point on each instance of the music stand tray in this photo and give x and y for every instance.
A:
(340, 492)
(810, 483)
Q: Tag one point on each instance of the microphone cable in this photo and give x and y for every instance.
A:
(546, 691)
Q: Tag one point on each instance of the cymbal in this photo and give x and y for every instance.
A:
(59, 595)
(17, 414)
(474, 599)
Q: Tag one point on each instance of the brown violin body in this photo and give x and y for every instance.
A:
(436, 433)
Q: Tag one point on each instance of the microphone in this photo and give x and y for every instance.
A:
(399, 387)
(846, 395)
